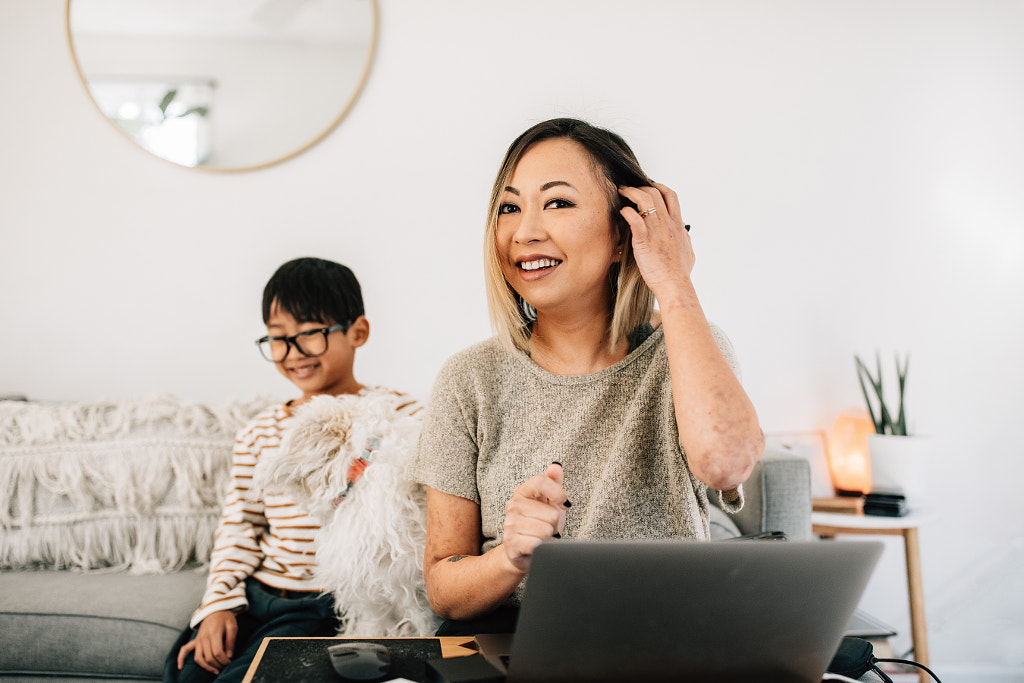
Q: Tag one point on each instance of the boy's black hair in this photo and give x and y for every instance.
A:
(314, 290)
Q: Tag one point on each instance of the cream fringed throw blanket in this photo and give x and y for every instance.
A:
(131, 485)
(370, 547)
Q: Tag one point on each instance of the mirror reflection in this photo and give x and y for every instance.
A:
(223, 85)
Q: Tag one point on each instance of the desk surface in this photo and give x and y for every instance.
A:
(451, 646)
(310, 667)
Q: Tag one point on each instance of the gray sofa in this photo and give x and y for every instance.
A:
(108, 515)
(777, 498)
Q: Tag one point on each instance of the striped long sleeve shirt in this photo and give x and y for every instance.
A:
(267, 537)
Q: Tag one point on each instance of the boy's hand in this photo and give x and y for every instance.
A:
(214, 644)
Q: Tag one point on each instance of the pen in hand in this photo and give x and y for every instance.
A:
(558, 476)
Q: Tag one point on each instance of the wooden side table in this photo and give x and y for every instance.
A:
(831, 524)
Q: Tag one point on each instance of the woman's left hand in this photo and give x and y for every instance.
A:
(661, 244)
(718, 426)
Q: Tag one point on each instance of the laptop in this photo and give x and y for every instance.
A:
(655, 610)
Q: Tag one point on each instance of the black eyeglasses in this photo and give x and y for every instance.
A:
(311, 343)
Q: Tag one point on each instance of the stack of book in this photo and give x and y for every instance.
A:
(853, 505)
(882, 504)
(885, 504)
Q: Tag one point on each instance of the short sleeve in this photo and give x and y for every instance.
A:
(447, 455)
(731, 501)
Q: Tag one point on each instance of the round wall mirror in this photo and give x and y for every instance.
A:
(224, 85)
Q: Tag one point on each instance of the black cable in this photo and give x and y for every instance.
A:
(881, 674)
(907, 661)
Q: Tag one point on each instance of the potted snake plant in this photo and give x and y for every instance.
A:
(898, 458)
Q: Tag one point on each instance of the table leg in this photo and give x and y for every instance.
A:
(918, 626)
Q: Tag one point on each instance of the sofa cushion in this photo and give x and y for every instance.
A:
(62, 623)
(721, 525)
(129, 485)
(779, 497)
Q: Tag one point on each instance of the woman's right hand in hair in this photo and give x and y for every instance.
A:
(535, 513)
(214, 644)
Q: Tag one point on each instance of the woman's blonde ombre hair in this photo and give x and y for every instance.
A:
(632, 300)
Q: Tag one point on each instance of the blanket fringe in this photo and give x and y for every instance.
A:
(131, 477)
(139, 545)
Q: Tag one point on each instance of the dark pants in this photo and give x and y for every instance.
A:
(300, 615)
(501, 620)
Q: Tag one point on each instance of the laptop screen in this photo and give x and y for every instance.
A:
(682, 610)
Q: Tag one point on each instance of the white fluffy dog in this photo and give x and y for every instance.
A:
(370, 545)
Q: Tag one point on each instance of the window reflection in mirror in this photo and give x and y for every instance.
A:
(169, 118)
(223, 84)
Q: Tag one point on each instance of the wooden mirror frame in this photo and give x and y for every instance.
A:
(275, 159)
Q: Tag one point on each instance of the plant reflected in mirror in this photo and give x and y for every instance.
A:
(169, 119)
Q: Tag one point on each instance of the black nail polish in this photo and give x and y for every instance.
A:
(567, 503)
(687, 226)
(557, 535)
(555, 462)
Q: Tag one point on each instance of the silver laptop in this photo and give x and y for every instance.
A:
(684, 611)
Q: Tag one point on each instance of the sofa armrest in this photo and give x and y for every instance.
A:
(777, 497)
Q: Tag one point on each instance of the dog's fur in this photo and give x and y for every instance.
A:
(370, 545)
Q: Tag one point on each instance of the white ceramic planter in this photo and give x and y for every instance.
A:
(900, 464)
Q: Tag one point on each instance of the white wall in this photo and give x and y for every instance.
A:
(852, 172)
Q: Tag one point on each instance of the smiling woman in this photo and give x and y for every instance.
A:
(230, 85)
(588, 415)
(555, 237)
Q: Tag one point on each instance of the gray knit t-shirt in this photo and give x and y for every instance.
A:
(496, 418)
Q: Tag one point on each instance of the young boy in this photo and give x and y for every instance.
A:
(261, 579)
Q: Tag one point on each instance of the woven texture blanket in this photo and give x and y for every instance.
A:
(117, 485)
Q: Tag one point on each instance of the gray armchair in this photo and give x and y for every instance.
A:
(777, 498)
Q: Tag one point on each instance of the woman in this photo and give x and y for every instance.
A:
(587, 416)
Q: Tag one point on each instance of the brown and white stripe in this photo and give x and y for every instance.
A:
(269, 537)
